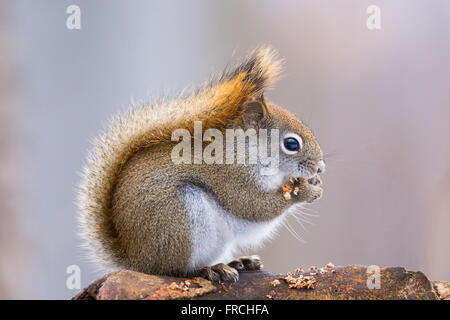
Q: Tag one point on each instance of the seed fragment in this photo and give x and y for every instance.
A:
(275, 283)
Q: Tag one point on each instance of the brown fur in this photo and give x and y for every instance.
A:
(131, 211)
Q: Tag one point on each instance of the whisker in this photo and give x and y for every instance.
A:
(299, 221)
(304, 207)
(293, 232)
(301, 215)
(315, 214)
(305, 220)
(329, 155)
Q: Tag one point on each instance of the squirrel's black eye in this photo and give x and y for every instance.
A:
(291, 144)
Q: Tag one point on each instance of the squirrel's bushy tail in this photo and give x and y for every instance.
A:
(140, 127)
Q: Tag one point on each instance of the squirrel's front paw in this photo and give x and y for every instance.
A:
(218, 273)
(315, 192)
(308, 190)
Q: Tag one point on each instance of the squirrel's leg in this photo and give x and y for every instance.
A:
(208, 236)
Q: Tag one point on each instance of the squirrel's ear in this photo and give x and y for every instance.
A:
(254, 111)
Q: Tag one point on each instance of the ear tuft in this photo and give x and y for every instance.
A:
(221, 101)
(258, 71)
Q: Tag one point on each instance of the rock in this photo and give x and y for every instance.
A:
(442, 289)
(337, 283)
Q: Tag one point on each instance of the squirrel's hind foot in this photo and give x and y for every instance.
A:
(247, 263)
(230, 272)
(218, 273)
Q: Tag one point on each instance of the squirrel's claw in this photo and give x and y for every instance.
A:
(247, 263)
(308, 190)
(219, 273)
(315, 180)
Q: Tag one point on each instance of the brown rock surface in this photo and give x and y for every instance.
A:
(349, 282)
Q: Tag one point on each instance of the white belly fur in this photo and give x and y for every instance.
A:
(216, 234)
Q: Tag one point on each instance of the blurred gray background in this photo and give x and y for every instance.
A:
(378, 101)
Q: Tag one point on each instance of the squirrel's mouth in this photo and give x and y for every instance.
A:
(312, 172)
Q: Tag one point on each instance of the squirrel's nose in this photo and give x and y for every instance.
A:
(320, 166)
